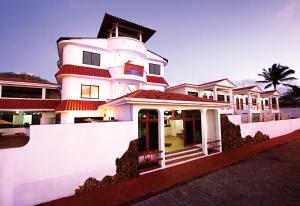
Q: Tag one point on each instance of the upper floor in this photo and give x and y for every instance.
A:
(12, 87)
(116, 62)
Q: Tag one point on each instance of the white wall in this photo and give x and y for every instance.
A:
(272, 128)
(235, 119)
(71, 88)
(59, 158)
(67, 117)
(211, 125)
(292, 112)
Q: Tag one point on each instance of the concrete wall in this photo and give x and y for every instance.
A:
(272, 128)
(59, 158)
(292, 112)
(235, 119)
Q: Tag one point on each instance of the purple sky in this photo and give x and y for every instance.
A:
(203, 40)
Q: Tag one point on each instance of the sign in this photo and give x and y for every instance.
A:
(134, 69)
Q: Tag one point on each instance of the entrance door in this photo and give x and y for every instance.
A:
(188, 132)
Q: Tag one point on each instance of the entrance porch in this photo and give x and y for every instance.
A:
(168, 137)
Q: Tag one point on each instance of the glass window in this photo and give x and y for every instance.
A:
(221, 97)
(195, 94)
(89, 91)
(154, 69)
(91, 58)
(21, 92)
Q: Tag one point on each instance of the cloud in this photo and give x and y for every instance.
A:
(289, 9)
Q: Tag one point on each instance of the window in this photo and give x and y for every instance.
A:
(52, 94)
(204, 96)
(267, 102)
(221, 98)
(91, 58)
(154, 69)
(195, 94)
(246, 100)
(89, 92)
(228, 98)
(253, 101)
(21, 92)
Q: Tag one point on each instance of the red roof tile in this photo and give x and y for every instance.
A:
(10, 103)
(78, 105)
(155, 79)
(81, 70)
(155, 94)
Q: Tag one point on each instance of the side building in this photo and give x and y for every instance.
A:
(31, 101)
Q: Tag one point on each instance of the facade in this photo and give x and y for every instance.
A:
(251, 103)
(115, 77)
(27, 101)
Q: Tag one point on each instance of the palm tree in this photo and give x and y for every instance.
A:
(276, 75)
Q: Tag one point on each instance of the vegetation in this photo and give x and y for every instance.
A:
(291, 98)
(277, 75)
(26, 76)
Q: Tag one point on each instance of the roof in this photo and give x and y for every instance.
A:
(158, 55)
(160, 95)
(131, 28)
(216, 81)
(199, 85)
(155, 79)
(82, 70)
(13, 103)
(274, 92)
(244, 88)
(78, 105)
(15, 79)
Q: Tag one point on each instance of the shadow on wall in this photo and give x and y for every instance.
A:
(127, 168)
(232, 138)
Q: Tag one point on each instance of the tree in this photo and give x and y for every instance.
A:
(277, 75)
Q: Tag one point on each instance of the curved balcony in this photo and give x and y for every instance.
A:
(127, 43)
(118, 73)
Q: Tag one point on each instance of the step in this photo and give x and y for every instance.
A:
(184, 159)
(182, 150)
(181, 154)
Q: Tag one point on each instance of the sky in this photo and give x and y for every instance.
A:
(203, 40)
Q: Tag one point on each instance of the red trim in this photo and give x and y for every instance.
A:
(81, 70)
(78, 105)
(9, 103)
(155, 79)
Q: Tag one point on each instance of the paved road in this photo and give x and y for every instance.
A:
(269, 178)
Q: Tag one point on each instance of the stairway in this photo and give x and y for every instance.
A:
(182, 156)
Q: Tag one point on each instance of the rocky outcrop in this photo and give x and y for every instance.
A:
(231, 136)
(127, 168)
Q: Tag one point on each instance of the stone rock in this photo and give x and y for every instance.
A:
(127, 168)
(231, 136)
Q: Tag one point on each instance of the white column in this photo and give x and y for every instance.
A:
(204, 131)
(215, 95)
(110, 33)
(270, 103)
(231, 96)
(249, 99)
(140, 36)
(258, 102)
(161, 131)
(218, 127)
(277, 103)
(43, 93)
(117, 30)
(0, 91)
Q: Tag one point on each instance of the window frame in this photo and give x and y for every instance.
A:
(194, 94)
(90, 91)
(91, 60)
(156, 68)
